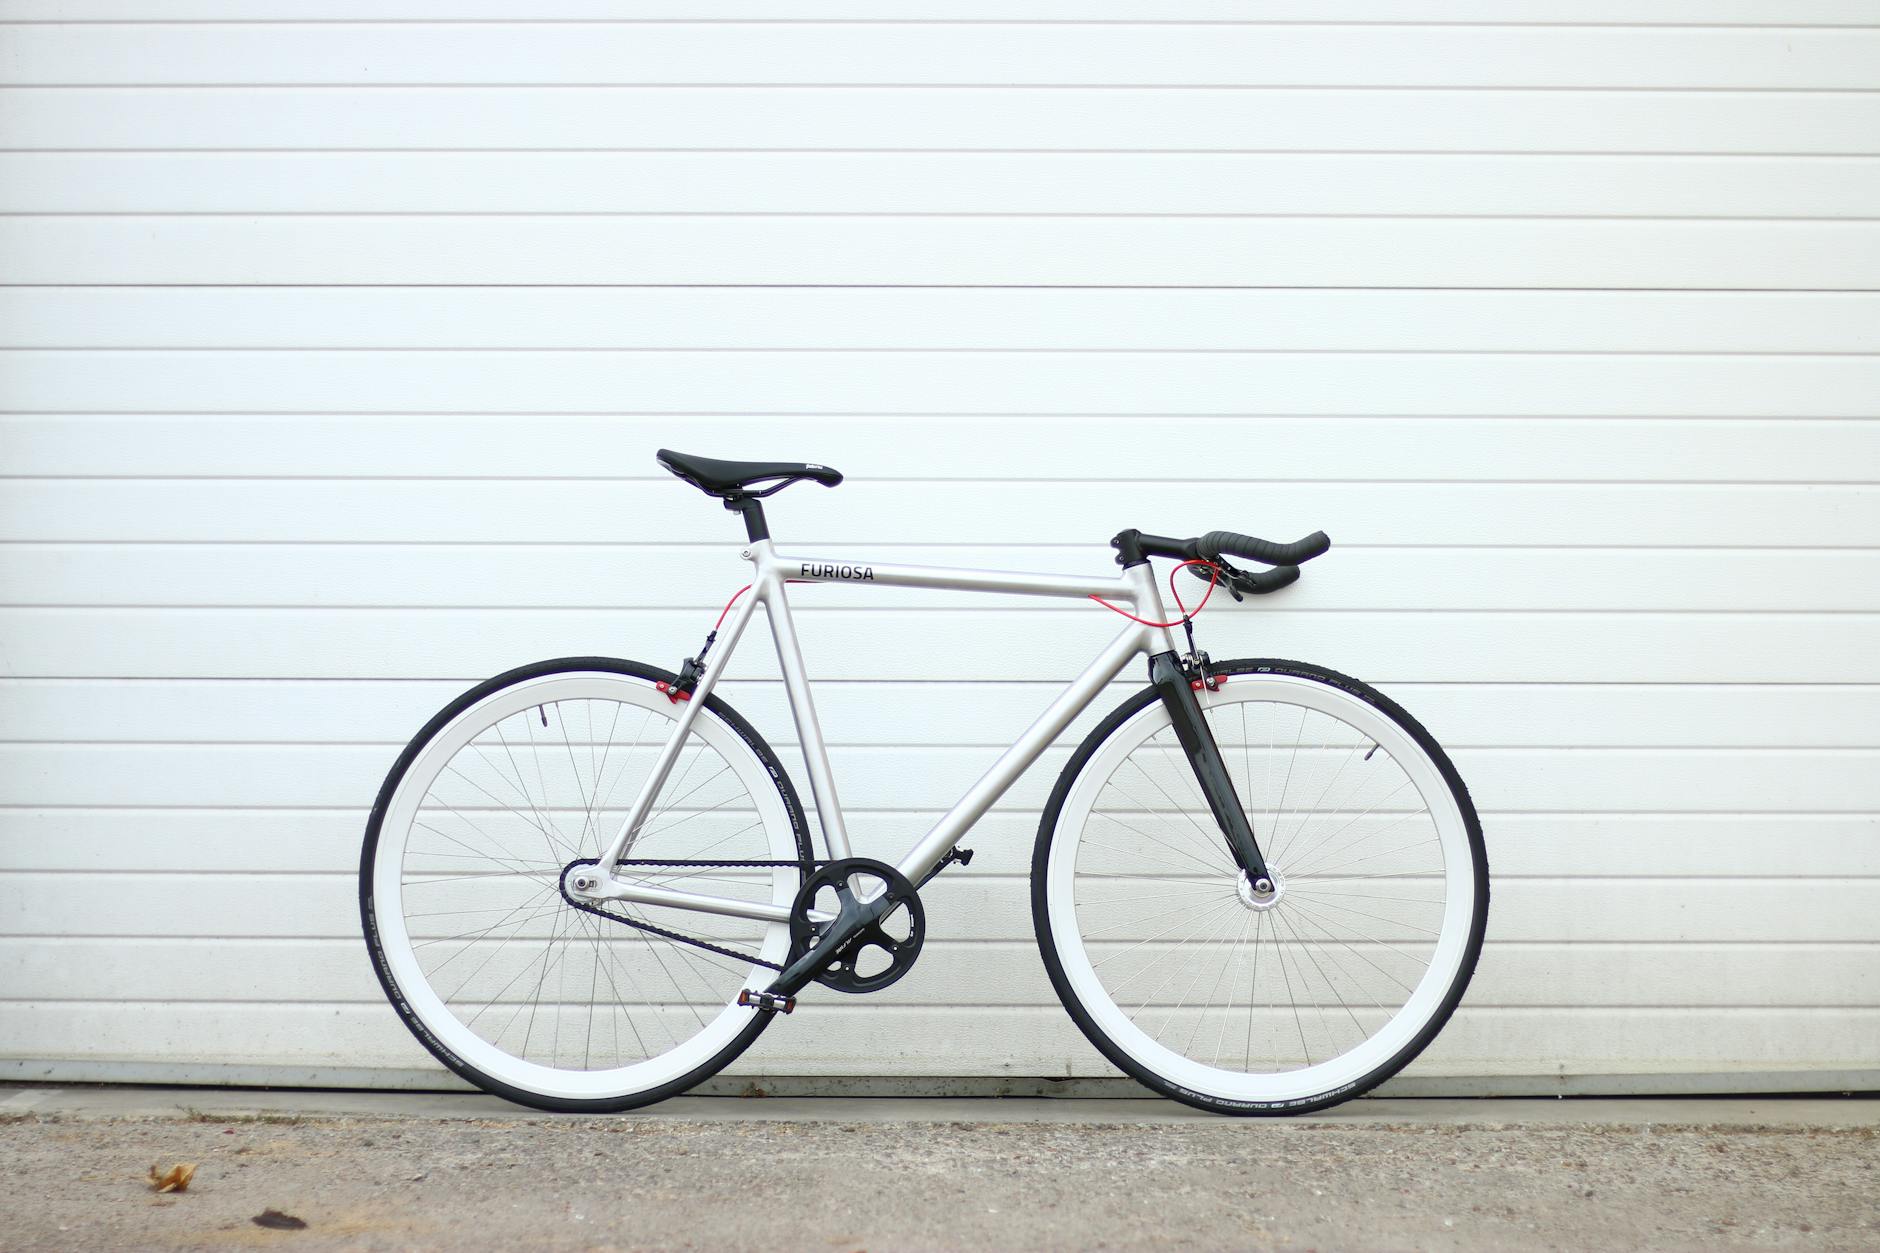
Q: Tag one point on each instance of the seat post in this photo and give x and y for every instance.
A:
(755, 528)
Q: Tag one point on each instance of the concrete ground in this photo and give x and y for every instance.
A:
(396, 1171)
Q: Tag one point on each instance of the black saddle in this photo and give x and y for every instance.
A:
(731, 479)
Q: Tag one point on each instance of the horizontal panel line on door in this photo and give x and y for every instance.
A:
(1008, 811)
(704, 604)
(1026, 944)
(470, 680)
(875, 746)
(951, 941)
(1059, 22)
(730, 85)
(247, 214)
(809, 608)
(758, 682)
(831, 412)
(580, 544)
(933, 1001)
(970, 876)
(1042, 1007)
(636, 481)
(900, 287)
(345, 150)
(499, 545)
(1687, 293)
(1261, 88)
(970, 746)
(919, 350)
(967, 685)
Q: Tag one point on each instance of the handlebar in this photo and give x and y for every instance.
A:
(1266, 552)
(1216, 546)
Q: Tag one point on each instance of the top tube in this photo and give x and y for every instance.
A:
(945, 578)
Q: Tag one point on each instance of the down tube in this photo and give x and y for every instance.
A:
(1017, 759)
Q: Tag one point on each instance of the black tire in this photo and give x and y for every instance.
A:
(1092, 1030)
(382, 967)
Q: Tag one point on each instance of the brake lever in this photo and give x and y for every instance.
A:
(1229, 576)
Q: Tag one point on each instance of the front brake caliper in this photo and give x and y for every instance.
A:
(1200, 677)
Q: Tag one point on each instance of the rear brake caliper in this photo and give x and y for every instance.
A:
(682, 687)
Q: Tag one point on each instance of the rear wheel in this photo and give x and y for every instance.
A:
(491, 967)
(1244, 1002)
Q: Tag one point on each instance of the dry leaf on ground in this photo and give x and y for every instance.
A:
(175, 1179)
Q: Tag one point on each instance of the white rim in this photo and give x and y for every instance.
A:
(388, 888)
(1313, 1080)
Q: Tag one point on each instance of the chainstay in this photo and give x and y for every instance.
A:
(665, 932)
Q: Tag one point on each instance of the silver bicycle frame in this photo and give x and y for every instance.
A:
(1134, 587)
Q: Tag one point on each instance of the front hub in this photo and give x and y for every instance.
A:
(1260, 894)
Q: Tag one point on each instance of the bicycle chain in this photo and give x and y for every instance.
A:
(707, 945)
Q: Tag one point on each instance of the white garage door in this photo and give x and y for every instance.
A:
(339, 337)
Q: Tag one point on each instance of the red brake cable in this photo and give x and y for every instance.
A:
(1214, 577)
(688, 674)
(726, 612)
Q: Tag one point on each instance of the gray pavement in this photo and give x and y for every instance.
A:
(399, 1171)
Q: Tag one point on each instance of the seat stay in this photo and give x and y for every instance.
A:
(629, 829)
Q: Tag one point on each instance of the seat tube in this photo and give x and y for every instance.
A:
(822, 783)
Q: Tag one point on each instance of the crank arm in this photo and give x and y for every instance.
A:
(856, 916)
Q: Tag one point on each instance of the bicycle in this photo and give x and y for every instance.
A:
(1258, 887)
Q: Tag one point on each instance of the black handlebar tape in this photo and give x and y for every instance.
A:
(1267, 580)
(1215, 543)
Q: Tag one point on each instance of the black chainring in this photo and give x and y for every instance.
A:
(900, 940)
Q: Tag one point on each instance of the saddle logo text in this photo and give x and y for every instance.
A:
(822, 570)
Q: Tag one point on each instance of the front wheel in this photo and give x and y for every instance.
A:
(1255, 1003)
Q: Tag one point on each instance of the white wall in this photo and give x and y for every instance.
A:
(337, 349)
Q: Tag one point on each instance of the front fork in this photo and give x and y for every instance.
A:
(1175, 686)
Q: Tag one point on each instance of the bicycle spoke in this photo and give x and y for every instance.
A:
(1301, 954)
(1227, 964)
(1175, 967)
(1306, 856)
(1150, 940)
(1279, 954)
(1253, 986)
(1326, 871)
(1304, 918)
(1283, 843)
(1210, 867)
(1362, 934)
(1226, 960)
